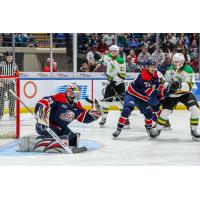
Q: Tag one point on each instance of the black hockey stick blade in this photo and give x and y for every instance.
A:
(89, 100)
(79, 149)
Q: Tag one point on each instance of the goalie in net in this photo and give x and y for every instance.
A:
(57, 112)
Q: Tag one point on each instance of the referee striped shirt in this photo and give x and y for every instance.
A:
(8, 69)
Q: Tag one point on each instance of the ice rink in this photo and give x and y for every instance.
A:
(132, 147)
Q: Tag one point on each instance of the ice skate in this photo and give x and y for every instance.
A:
(167, 126)
(195, 135)
(152, 132)
(116, 133)
(102, 122)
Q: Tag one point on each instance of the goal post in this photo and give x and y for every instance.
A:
(9, 107)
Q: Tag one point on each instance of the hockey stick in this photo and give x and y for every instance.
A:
(92, 102)
(118, 96)
(51, 132)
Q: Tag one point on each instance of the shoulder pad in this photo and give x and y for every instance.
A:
(120, 60)
(188, 69)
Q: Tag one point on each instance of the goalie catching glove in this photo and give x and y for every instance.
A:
(43, 115)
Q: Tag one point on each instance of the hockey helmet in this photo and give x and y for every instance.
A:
(73, 91)
(114, 48)
(178, 57)
(149, 62)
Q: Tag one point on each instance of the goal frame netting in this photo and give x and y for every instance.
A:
(17, 106)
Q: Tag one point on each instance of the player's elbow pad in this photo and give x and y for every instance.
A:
(121, 75)
(186, 87)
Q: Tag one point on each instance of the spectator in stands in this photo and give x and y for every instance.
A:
(184, 38)
(47, 67)
(102, 47)
(168, 47)
(194, 36)
(21, 39)
(94, 40)
(82, 42)
(160, 56)
(180, 45)
(31, 41)
(144, 55)
(195, 64)
(121, 40)
(92, 57)
(108, 38)
(7, 39)
(171, 38)
(193, 50)
(59, 39)
(186, 54)
(84, 68)
(131, 61)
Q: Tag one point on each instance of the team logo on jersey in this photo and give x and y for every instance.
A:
(64, 106)
(68, 116)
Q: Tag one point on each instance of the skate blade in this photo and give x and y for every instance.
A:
(127, 127)
(167, 128)
(195, 139)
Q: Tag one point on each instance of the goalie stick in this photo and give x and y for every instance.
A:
(51, 132)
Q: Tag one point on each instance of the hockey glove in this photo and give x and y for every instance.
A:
(153, 101)
(174, 87)
(112, 84)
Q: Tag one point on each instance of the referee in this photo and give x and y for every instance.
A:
(8, 68)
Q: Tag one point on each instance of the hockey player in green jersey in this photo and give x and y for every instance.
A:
(115, 73)
(179, 80)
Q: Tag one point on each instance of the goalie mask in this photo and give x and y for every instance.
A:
(73, 91)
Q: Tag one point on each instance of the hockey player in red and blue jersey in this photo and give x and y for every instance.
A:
(145, 93)
(59, 110)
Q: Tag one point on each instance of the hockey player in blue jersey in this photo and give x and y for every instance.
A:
(145, 93)
(59, 110)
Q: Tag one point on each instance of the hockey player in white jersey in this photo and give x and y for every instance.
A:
(115, 73)
(179, 80)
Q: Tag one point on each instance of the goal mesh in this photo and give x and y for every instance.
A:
(9, 107)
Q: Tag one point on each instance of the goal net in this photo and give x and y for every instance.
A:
(9, 107)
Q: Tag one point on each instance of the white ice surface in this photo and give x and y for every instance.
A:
(133, 146)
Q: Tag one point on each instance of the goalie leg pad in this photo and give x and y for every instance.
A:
(46, 144)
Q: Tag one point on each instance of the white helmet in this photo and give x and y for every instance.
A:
(178, 57)
(114, 48)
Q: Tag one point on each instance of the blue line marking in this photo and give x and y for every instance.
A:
(10, 149)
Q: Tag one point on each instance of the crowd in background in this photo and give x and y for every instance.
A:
(136, 47)
(30, 40)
